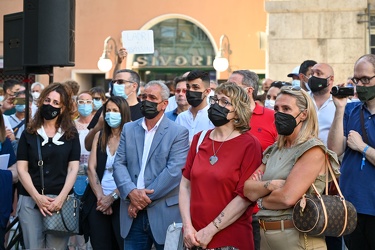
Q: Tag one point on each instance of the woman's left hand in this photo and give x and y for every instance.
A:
(56, 205)
(204, 236)
(104, 203)
(109, 211)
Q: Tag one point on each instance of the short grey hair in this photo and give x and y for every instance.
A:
(164, 89)
(250, 79)
(36, 84)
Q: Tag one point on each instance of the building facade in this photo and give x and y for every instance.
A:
(187, 36)
(270, 37)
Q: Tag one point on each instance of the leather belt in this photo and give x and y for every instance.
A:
(276, 225)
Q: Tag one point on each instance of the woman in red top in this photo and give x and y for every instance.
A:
(215, 213)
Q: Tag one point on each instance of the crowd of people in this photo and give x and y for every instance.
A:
(225, 160)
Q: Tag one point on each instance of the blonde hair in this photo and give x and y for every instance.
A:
(241, 103)
(310, 127)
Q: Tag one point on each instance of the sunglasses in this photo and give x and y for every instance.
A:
(178, 91)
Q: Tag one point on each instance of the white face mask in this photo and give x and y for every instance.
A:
(1, 98)
(35, 95)
(270, 104)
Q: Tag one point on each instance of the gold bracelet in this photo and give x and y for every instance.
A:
(217, 227)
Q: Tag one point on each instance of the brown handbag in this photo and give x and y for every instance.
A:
(328, 215)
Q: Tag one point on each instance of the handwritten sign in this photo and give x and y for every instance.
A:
(138, 41)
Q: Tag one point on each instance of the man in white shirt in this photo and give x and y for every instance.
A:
(320, 83)
(195, 119)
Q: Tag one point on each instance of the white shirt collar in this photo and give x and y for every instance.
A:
(55, 139)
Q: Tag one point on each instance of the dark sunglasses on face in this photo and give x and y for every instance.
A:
(178, 91)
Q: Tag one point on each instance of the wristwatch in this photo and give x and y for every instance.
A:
(114, 195)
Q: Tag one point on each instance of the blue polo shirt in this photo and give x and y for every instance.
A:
(358, 186)
(172, 115)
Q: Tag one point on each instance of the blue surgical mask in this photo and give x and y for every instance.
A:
(84, 109)
(113, 119)
(20, 108)
(1, 98)
(97, 104)
(296, 83)
(119, 90)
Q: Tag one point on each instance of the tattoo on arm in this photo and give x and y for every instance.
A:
(219, 218)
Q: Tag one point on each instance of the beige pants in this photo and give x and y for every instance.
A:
(289, 239)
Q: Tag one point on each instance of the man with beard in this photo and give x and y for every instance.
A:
(179, 98)
(320, 84)
(352, 133)
(195, 119)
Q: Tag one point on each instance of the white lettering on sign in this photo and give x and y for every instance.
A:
(138, 41)
(147, 61)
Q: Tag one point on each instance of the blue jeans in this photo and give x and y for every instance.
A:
(140, 236)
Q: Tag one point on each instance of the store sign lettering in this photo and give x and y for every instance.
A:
(147, 61)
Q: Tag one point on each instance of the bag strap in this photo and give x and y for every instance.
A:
(329, 171)
(201, 137)
(40, 162)
(16, 128)
(75, 206)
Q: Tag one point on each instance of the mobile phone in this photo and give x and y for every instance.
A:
(19, 101)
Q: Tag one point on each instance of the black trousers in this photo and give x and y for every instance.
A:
(363, 237)
(105, 229)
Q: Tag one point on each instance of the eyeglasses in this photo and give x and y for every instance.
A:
(121, 81)
(178, 91)
(364, 80)
(84, 102)
(222, 102)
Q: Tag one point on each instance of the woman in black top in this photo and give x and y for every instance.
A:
(101, 208)
(60, 149)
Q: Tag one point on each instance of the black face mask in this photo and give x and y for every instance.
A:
(194, 98)
(316, 84)
(365, 93)
(49, 112)
(149, 109)
(218, 115)
(285, 123)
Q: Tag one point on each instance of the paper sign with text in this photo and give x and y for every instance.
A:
(138, 41)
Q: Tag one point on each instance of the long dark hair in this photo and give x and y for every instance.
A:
(124, 108)
(64, 120)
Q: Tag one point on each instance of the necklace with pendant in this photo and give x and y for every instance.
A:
(213, 159)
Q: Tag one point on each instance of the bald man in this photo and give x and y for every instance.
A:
(320, 84)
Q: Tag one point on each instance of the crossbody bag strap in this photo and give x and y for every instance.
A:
(201, 137)
(40, 162)
(342, 198)
(364, 133)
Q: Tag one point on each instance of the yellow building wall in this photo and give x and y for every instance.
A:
(240, 20)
